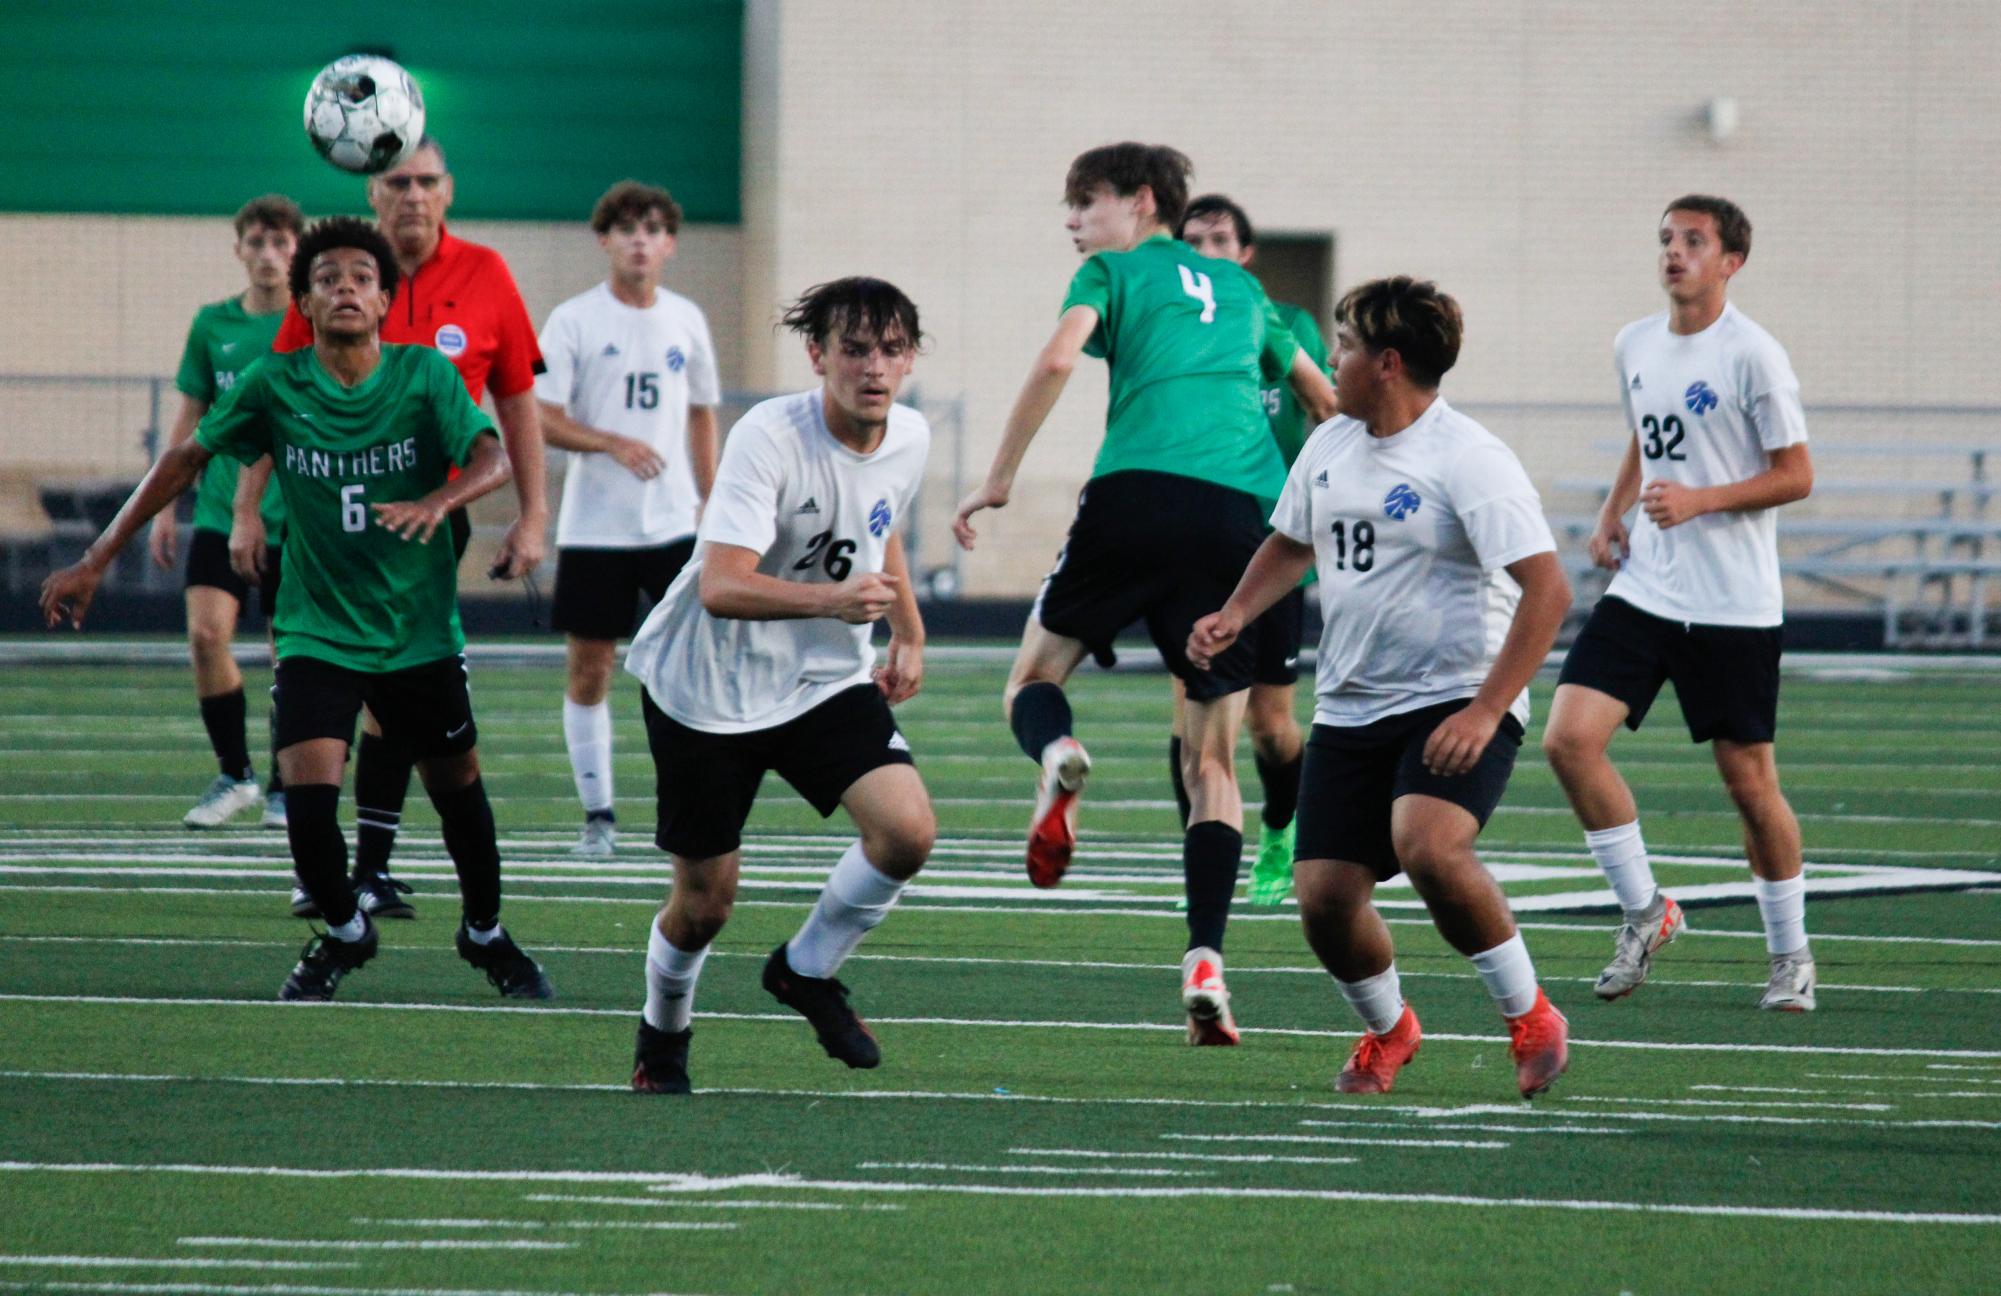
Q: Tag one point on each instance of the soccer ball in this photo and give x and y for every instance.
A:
(364, 113)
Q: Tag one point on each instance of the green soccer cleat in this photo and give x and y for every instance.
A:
(1271, 876)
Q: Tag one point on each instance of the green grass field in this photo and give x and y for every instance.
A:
(1038, 1124)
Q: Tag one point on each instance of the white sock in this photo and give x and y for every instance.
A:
(487, 937)
(351, 930)
(1377, 1000)
(855, 899)
(1783, 907)
(670, 982)
(1622, 856)
(1508, 975)
(587, 731)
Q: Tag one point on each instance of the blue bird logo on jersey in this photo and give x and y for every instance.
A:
(1699, 399)
(1401, 502)
(878, 518)
(675, 360)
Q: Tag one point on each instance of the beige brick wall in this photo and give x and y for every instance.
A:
(112, 296)
(1518, 153)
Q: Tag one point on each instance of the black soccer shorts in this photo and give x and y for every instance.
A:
(597, 590)
(208, 565)
(1352, 776)
(426, 710)
(706, 782)
(1158, 548)
(1726, 677)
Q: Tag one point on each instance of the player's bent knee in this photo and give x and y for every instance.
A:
(902, 847)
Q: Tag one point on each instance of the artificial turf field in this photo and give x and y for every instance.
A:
(1038, 1124)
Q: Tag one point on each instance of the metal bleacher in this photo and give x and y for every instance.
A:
(1923, 552)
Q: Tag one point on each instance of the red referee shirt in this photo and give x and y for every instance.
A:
(462, 302)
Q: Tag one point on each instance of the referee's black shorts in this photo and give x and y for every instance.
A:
(1163, 549)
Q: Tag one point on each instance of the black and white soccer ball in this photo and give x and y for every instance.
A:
(364, 113)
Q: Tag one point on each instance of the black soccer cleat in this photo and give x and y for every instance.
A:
(823, 1001)
(324, 961)
(381, 896)
(660, 1061)
(512, 972)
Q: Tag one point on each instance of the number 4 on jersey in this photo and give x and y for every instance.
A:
(1202, 289)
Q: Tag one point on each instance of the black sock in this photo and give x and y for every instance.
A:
(381, 782)
(319, 852)
(222, 715)
(1281, 783)
(474, 845)
(1180, 784)
(1211, 854)
(1040, 716)
(277, 783)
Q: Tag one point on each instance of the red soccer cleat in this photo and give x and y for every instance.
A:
(1206, 1001)
(1373, 1066)
(1052, 833)
(1539, 1041)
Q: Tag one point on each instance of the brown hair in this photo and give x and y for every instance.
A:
(273, 211)
(1408, 316)
(855, 305)
(1126, 167)
(1733, 227)
(631, 200)
(1218, 205)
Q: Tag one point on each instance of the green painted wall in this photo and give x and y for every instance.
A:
(191, 108)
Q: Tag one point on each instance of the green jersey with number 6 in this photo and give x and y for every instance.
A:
(1282, 408)
(222, 342)
(354, 593)
(1189, 340)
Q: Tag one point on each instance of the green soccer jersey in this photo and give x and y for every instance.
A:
(1282, 409)
(222, 342)
(354, 594)
(1188, 340)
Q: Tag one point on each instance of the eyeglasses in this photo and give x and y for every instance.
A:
(402, 183)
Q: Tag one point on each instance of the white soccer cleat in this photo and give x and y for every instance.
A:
(1638, 939)
(1052, 833)
(1792, 984)
(1205, 999)
(599, 838)
(274, 811)
(225, 799)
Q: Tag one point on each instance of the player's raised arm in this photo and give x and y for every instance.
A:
(67, 593)
(1046, 380)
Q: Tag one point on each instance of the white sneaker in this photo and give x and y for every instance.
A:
(224, 800)
(274, 811)
(1052, 832)
(1205, 999)
(1633, 952)
(599, 838)
(303, 904)
(1792, 984)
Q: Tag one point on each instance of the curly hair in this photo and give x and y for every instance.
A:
(343, 232)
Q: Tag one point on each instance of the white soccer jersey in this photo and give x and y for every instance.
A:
(818, 513)
(1410, 534)
(635, 372)
(1707, 410)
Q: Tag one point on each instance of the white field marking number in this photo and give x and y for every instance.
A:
(353, 515)
(1198, 285)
